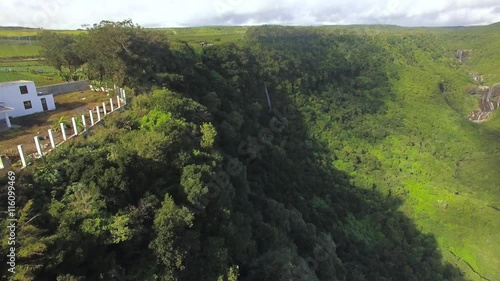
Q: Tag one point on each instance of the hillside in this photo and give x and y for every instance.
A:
(298, 153)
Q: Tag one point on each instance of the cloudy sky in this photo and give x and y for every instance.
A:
(71, 14)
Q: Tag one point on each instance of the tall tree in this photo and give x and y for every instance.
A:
(61, 51)
(124, 53)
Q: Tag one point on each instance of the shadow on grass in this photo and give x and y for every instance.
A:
(374, 240)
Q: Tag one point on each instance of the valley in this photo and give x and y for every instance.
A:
(275, 153)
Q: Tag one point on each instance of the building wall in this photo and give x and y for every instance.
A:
(10, 94)
(64, 88)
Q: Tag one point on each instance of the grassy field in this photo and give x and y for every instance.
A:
(213, 35)
(35, 71)
(21, 32)
(11, 49)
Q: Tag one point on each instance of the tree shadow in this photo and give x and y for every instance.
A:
(297, 201)
(374, 240)
(288, 214)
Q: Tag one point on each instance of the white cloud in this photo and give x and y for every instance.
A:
(152, 13)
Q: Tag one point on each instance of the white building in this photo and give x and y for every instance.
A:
(20, 98)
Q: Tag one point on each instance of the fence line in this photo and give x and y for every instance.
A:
(40, 153)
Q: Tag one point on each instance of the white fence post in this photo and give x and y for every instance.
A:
(118, 102)
(75, 129)
(84, 122)
(7, 121)
(38, 146)
(124, 97)
(98, 113)
(21, 154)
(63, 131)
(104, 108)
(91, 118)
(51, 137)
(111, 104)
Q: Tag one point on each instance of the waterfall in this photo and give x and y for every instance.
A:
(268, 100)
(489, 94)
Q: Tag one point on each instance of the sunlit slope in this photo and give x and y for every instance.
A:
(419, 146)
(482, 42)
(445, 167)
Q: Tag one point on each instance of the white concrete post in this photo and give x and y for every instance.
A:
(38, 146)
(7, 120)
(98, 113)
(75, 129)
(63, 131)
(111, 104)
(124, 97)
(118, 102)
(21, 154)
(84, 122)
(51, 137)
(104, 108)
(91, 118)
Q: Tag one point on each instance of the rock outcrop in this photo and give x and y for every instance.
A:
(489, 101)
(477, 78)
(462, 55)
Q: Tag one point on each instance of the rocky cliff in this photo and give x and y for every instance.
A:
(489, 100)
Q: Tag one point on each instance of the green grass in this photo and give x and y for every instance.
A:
(20, 32)
(213, 35)
(449, 179)
(40, 79)
(12, 50)
(450, 197)
(14, 32)
(22, 63)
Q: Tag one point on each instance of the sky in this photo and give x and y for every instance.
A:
(72, 14)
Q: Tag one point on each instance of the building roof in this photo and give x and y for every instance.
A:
(44, 94)
(13, 83)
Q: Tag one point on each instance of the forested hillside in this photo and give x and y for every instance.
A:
(300, 154)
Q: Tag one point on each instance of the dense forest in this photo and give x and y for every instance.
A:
(301, 154)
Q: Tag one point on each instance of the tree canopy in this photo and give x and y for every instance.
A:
(200, 178)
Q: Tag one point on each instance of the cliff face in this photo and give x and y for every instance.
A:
(488, 102)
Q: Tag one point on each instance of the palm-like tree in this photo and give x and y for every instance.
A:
(55, 125)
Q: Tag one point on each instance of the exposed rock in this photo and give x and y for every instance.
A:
(489, 101)
(478, 90)
(463, 55)
(477, 78)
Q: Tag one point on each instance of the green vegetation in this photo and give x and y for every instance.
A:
(36, 71)
(211, 35)
(482, 60)
(363, 166)
(14, 50)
